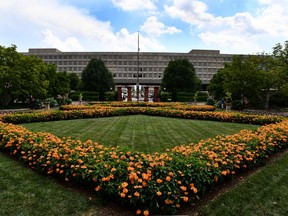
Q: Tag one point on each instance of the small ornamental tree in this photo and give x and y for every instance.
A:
(180, 76)
(96, 77)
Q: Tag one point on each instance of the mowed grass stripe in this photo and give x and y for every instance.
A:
(139, 132)
(23, 192)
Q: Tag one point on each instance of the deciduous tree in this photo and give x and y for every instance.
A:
(96, 77)
(180, 76)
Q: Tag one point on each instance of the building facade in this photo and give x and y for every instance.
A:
(125, 66)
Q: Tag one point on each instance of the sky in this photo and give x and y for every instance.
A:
(231, 26)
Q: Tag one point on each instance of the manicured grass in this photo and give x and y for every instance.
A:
(139, 132)
(263, 193)
(25, 193)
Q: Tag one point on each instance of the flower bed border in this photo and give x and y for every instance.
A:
(151, 183)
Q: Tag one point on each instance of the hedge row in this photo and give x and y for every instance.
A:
(116, 111)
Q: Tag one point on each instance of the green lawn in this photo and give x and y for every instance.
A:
(139, 132)
(25, 193)
(263, 193)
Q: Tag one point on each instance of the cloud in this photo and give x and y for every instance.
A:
(132, 5)
(154, 28)
(240, 32)
(56, 24)
(70, 43)
(192, 12)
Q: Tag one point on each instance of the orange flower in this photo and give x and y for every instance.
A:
(168, 178)
(159, 193)
(122, 195)
(124, 184)
(136, 194)
(185, 199)
(224, 173)
(138, 212)
(159, 181)
(168, 202)
(146, 213)
(125, 190)
(183, 188)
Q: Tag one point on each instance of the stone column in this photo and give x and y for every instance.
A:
(129, 93)
(146, 93)
(156, 92)
(119, 92)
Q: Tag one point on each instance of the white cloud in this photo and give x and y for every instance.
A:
(55, 24)
(154, 28)
(240, 32)
(132, 5)
(70, 43)
(193, 12)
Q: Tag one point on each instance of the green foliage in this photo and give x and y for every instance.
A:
(180, 76)
(28, 79)
(251, 79)
(9, 74)
(74, 82)
(96, 77)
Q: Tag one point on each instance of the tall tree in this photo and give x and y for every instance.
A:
(74, 81)
(242, 78)
(97, 77)
(180, 76)
(271, 77)
(216, 85)
(33, 80)
(9, 77)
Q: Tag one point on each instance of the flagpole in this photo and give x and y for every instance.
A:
(137, 82)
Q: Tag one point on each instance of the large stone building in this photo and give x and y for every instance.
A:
(125, 65)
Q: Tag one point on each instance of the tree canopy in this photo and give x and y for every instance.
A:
(180, 76)
(96, 77)
(27, 78)
(253, 79)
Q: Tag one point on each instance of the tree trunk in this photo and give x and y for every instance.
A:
(5, 100)
(267, 99)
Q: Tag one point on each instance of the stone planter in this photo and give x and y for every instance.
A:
(228, 107)
(47, 105)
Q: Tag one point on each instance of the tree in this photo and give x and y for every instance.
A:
(9, 77)
(180, 76)
(216, 85)
(33, 80)
(74, 81)
(271, 77)
(97, 77)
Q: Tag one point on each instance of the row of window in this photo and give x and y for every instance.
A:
(134, 57)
